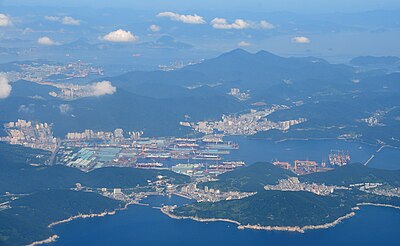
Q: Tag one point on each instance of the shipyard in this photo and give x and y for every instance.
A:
(209, 155)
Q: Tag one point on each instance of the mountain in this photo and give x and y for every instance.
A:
(331, 96)
(282, 208)
(250, 178)
(123, 109)
(254, 177)
(252, 71)
(272, 208)
(47, 196)
(28, 218)
(354, 174)
(165, 42)
(374, 60)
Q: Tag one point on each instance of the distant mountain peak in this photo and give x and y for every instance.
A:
(265, 53)
(238, 51)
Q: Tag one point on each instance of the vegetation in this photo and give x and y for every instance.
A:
(250, 178)
(273, 208)
(28, 218)
(256, 176)
(284, 208)
(353, 174)
(48, 196)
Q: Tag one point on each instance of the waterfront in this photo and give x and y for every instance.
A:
(253, 150)
(143, 225)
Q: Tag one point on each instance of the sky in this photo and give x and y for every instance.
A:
(301, 6)
(321, 28)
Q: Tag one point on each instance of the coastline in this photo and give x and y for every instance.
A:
(83, 216)
(50, 239)
(378, 205)
(167, 211)
(54, 238)
(300, 229)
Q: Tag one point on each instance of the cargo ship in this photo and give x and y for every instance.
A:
(207, 157)
(149, 165)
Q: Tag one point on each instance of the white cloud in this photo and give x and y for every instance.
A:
(68, 20)
(52, 18)
(188, 19)
(101, 88)
(27, 31)
(221, 23)
(154, 28)
(120, 36)
(46, 41)
(5, 20)
(5, 87)
(301, 40)
(244, 44)
(266, 25)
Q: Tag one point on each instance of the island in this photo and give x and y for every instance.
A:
(286, 202)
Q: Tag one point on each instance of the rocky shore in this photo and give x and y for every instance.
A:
(300, 229)
(51, 239)
(167, 211)
(83, 216)
(378, 205)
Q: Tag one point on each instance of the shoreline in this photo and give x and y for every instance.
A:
(54, 238)
(378, 205)
(166, 211)
(81, 216)
(50, 239)
(300, 229)
(85, 216)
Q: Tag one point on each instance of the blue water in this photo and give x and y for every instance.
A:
(144, 225)
(141, 225)
(253, 150)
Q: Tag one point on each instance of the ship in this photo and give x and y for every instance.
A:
(158, 156)
(227, 146)
(149, 165)
(207, 157)
(234, 163)
(214, 152)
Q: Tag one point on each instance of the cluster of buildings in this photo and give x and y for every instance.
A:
(374, 120)
(241, 96)
(30, 134)
(88, 134)
(88, 150)
(210, 195)
(39, 72)
(246, 124)
(68, 91)
(378, 189)
(294, 184)
(177, 65)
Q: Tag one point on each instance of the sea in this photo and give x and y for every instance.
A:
(146, 225)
